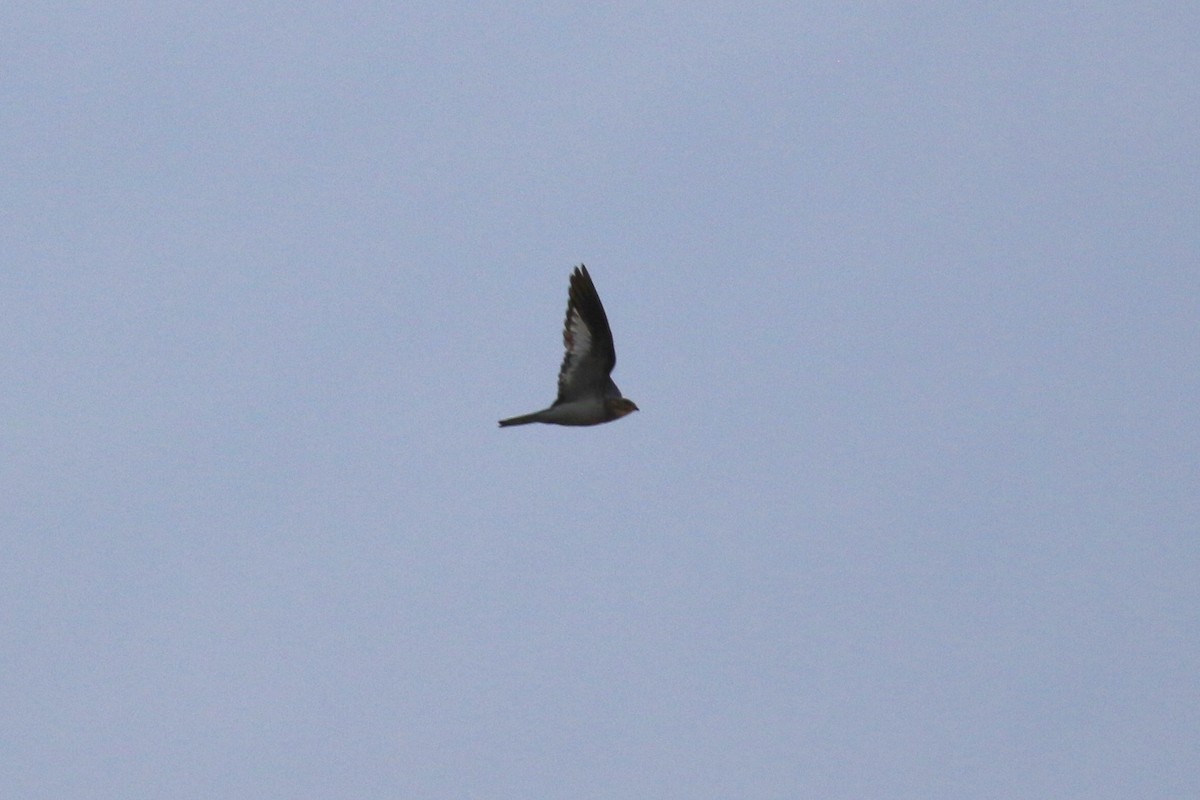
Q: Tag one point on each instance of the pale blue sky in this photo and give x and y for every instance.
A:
(909, 295)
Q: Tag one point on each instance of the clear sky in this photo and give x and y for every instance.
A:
(908, 294)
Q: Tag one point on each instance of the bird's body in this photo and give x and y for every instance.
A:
(576, 412)
(586, 393)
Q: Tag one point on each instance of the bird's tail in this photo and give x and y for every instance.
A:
(522, 420)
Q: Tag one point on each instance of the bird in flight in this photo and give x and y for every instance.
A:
(586, 393)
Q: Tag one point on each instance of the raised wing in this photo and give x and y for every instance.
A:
(589, 356)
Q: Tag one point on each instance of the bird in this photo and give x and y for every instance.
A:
(586, 392)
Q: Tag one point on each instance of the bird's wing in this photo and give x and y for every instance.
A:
(589, 356)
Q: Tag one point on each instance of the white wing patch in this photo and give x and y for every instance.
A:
(578, 340)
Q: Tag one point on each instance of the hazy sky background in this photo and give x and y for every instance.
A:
(908, 293)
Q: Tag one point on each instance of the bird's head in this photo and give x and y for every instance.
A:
(620, 406)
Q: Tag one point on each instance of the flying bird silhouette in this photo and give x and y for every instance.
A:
(586, 393)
